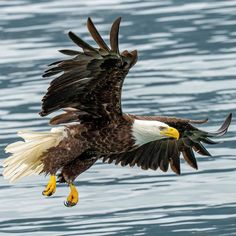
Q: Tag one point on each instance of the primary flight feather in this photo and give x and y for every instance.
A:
(87, 86)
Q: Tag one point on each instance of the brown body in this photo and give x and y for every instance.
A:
(85, 144)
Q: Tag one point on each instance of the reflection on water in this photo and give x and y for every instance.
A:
(186, 68)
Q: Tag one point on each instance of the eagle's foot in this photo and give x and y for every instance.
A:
(51, 187)
(73, 197)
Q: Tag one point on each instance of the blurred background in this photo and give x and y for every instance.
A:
(186, 68)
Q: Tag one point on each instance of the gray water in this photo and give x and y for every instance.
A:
(186, 68)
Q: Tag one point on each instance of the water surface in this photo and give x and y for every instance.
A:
(186, 68)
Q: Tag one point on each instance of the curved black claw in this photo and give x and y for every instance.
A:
(46, 193)
(69, 203)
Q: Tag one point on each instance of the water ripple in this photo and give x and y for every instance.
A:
(186, 68)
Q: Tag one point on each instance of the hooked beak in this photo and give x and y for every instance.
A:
(170, 132)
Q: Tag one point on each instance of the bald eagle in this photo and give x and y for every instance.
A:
(87, 86)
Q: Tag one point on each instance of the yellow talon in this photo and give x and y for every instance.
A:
(51, 187)
(73, 197)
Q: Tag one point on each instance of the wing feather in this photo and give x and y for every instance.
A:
(114, 33)
(189, 157)
(96, 36)
(91, 81)
(175, 158)
(164, 161)
(81, 43)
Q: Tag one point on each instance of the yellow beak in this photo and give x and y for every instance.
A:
(170, 132)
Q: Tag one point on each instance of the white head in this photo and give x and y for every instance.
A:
(145, 131)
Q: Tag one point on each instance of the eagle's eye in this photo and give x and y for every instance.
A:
(161, 128)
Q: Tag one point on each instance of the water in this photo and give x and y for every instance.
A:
(186, 68)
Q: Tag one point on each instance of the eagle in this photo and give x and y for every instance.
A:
(86, 88)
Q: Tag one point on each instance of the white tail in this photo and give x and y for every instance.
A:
(26, 158)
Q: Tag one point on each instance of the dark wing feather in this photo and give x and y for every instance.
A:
(96, 36)
(81, 43)
(162, 153)
(189, 157)
(175, 158)
(90, 82)
(114, 36)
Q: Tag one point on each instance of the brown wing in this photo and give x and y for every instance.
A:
(161, 154)
(92, 80)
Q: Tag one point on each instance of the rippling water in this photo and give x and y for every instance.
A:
(187, 68)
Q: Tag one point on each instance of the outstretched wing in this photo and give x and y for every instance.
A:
(91, 81)
(161, 154)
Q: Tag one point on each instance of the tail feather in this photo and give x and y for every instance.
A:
(26, 156)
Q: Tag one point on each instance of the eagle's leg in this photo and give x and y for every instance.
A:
(73, 197)
(53, 160)
(51, 186)
(71, 171)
